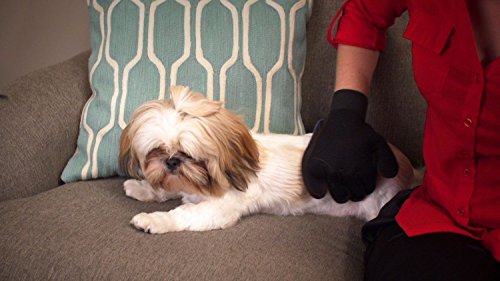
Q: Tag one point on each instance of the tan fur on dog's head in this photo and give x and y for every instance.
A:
(208, 148)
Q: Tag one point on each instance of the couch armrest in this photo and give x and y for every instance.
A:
(39, 118)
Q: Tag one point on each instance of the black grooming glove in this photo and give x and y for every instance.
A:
(345, 153)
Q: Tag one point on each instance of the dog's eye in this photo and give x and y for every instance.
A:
(184, 155)
(156, 152)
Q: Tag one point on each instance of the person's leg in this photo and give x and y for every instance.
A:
(393, 256)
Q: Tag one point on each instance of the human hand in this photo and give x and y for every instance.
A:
(345, 153)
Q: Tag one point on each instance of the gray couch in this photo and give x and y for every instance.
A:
(80, 231)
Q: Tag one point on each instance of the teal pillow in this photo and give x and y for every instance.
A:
(248, 53)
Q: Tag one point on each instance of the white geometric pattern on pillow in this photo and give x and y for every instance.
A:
(248, 53)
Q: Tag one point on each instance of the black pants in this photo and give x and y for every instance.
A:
(393, 256)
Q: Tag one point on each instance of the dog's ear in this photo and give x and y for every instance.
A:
(239, 157)
(193, 103)
(129, 163)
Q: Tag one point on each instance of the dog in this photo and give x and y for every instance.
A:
(194, 148)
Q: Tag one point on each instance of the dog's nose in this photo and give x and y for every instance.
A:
(173, 163)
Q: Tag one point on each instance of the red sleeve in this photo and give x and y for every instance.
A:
(364, 23)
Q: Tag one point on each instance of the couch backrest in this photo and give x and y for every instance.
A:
(396, 110)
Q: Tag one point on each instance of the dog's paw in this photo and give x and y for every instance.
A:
(143, 191)
(139, 190)
(154, 223)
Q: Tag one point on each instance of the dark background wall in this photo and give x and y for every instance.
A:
(38, 33)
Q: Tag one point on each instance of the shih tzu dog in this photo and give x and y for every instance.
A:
(194, 148)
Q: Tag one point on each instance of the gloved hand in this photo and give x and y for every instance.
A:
(345, 153)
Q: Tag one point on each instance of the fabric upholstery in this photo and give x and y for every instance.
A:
(39, 125)
(249, 54)
(80, 231)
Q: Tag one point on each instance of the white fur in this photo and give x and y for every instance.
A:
(278, 189)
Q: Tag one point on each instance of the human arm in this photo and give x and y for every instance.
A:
(345, 154)
(354, 68)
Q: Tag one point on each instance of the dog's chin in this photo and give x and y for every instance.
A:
(190, 177)
(180, 184)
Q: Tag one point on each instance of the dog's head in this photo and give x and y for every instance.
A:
(188, 144)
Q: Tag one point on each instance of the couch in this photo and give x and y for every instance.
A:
(80, 231)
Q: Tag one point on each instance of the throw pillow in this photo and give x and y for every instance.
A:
(248, 53)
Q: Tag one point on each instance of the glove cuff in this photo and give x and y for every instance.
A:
(351, 100)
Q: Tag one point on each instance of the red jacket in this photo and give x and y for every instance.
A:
(461, 189)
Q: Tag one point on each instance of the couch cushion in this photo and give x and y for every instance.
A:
(80, 231)
(250, 54)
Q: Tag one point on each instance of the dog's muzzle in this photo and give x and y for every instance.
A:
(173, 163)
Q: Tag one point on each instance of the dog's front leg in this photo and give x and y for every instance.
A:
(207, 215)
(143, 191)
